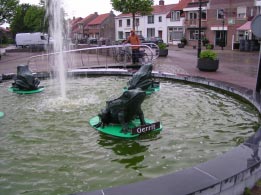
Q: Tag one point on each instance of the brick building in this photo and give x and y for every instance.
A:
(102, 27)
(224, 22)
(93, 26)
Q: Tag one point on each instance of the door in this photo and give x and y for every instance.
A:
(221, 38)
(160, 33)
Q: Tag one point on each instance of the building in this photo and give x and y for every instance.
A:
(81, 32)
(175, 22)
(93, 26)
(102, 27)
(154, 25)
(192, 21)
(224, 23)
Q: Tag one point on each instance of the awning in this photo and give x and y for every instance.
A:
(246, 26)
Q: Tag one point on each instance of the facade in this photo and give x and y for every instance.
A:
(81, 30)
(154, 25)
(191, 23)
(102, 27)
(224, 23)
(175, 22)
(74, 28)
(93, 26)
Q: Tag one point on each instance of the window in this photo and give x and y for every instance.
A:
(150, 32)
(120, 34)
(150, 19)
(175, 16)
(193, 18)
(137, 21)
(220, 14)
(193, 35)
(120, 23)
(241, 12)
(160, 18)
(128, 22)
(175, 33)
(193, 15)
(203, 14)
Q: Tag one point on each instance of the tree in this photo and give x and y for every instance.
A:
(7, 10)
(17, 24)
(143, 7)
(34, 19)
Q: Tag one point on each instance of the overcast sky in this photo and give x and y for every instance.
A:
(82, 8)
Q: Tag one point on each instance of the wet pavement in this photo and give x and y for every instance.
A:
(235, 67)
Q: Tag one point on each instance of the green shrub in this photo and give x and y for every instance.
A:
(208, 54)
(247, 191)
(183, 40)
(162, 46)
(209, 46)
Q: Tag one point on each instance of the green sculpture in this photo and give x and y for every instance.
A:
(123, 110)
(25, 80)
(143, 79)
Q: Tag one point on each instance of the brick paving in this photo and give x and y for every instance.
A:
(235, 67)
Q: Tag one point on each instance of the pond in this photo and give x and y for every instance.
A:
(48, 147)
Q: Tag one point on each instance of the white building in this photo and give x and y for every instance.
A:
(165, 21)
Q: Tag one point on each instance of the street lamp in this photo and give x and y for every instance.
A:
(223, 30)
(199, 29)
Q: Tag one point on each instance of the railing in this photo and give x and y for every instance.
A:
(93, 57)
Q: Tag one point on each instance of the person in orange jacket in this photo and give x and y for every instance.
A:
(134, 40)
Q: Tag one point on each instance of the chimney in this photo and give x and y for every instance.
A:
(161, 2)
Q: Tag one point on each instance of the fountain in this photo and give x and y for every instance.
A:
(143, 79)
(25, 82)
(123, 116)
(51, 143)
(49, 148)
(55, 16)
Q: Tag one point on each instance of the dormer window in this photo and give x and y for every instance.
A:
(175, 16)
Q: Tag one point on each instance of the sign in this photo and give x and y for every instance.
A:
(145, 128)
(256, 26)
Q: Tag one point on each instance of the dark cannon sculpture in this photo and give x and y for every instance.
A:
(143, 79)
(123, 110)
(25, 80)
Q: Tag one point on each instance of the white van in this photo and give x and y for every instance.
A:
(31, 39)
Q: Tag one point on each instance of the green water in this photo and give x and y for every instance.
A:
(47, 146)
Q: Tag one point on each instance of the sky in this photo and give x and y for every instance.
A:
(82, 8)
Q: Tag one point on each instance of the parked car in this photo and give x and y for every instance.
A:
(92, 40)
(156, 40)
(141, 38)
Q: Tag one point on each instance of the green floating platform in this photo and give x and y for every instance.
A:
(136, 129)
(2, 114)
(149, 91)
(18, 91)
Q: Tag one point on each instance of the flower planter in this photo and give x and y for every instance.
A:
(181, 45)
(163, 52)
(205, 64)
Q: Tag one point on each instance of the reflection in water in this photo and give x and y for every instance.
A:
(128, 152)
